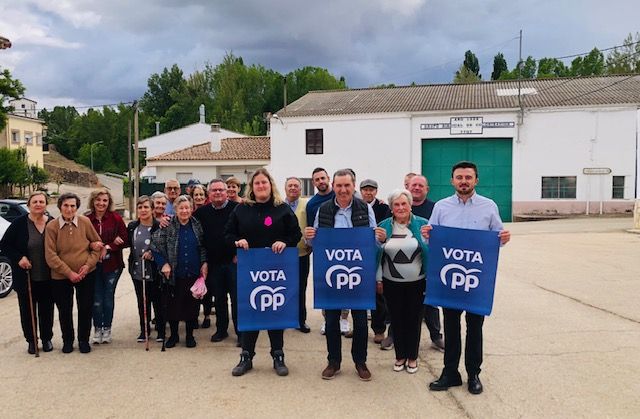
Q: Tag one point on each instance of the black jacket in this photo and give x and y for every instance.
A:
(213, 221)
(263, 224)
(131, 228)
(14, 246)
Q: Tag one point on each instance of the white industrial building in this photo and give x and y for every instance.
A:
(548, 146)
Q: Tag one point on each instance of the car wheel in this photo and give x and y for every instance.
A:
(6, 277)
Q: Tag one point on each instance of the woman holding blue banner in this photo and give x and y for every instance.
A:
(262, 220)
(179, 253)
(401, 276)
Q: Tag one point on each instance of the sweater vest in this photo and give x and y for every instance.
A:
(359, 213)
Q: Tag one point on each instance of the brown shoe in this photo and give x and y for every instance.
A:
(348, 334)
(378, 338)
(363, 372)
(331, 371)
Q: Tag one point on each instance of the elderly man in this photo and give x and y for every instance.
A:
(220, 257)
(345, 211)
(464, 209)
(419, 188)
(293, 188)
(369, 190)
(172, 190)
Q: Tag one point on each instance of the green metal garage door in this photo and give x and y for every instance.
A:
(492, 156)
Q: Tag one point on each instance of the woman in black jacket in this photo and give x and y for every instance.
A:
(262, 220)
(23, 243)
(142, 267)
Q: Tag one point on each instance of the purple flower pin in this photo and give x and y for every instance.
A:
(268, 221)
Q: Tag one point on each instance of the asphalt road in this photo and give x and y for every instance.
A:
(563, 341)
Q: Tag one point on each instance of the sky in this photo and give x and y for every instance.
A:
(90, 52)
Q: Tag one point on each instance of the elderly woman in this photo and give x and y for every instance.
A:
(263, 220)
(113, 238)
(159, 200)
(199, 195)
(72, 260)
(23, 244)
(179, 252)
(401, 277)
(141, 265)
(233, 189)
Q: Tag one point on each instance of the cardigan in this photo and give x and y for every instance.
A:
(414, 226)
(67, 248)
(109, 227)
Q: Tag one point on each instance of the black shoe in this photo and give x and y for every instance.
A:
(445, 381)
(196, 325)
(47, 346)
(278, 364)
(191, 342)
(31, 348)
(219, 336)
(474, 385)
(304, 328)
(206, 323)
(243, 366)
(171, 342)
(140, 338)
(85, 348)
(67, 347)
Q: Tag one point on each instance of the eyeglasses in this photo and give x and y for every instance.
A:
(173, 188)
(216, 190)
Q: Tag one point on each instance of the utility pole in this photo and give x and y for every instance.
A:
(285, 94)
(129, 168)
(136, 155)
(520, 63)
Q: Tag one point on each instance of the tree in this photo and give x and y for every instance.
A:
(591, 65)
(471, 63)
(551, 67)
(527, 70)
(499, 66)
(464, 75)
(626, 59)
(163, 89)
(303, 80)
(9, 89)
(59, 122)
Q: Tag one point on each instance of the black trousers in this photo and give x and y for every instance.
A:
(334, 337)
(303, 270)
(223, 278)
(42, 310)
(453, 346)
(248, 339)
(152, 291)
(432, 320)
(379, 315)
(62, 291)
(404, 300)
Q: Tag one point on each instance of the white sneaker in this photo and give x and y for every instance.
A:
(323, 330)
(106, 335)
(344, 326)
(97, 335)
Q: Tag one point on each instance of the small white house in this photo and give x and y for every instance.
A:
(548, 146)
(238, 157)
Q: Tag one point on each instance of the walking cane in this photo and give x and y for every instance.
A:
(33, 316)
(144, 303)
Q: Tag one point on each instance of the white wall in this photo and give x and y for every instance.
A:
(205, 171)
(185, 137)
(374, 146)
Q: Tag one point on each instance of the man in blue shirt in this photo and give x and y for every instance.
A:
(464, 209)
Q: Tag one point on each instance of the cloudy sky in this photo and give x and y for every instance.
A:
(90, 52)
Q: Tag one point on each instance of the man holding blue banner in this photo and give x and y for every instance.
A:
(346, 211)
(465, 209)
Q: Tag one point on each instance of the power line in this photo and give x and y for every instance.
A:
(601, 50)
(108, 105)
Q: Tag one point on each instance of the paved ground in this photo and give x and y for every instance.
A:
(563, 341)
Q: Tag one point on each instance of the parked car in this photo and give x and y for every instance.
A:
(6, 273)
(10, 209)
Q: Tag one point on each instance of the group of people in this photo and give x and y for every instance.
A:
(178, 238)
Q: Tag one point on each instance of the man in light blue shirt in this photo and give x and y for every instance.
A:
(464, 209)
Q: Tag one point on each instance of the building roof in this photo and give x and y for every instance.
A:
(242, 148)
(536, 93)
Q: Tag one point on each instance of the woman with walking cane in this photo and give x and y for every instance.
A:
(181, 257)
(142, 268)
(23, 244)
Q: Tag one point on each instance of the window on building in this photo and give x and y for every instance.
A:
(307, 186)
(38, 139)
(559, 187)
(618, 187)
(15, 137)
(314, 141)
(28, 138)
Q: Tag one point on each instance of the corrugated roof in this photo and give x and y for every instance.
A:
(576, 91)
(242, 148)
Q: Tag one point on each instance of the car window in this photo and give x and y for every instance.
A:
(4, 208)
(24, 208)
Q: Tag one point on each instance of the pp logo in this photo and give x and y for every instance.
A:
(267, 297)
(460, 276)
(345, 277)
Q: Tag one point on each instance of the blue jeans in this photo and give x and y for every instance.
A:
(103, 296)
